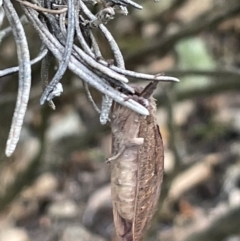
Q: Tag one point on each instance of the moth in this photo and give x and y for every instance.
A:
(137, 165)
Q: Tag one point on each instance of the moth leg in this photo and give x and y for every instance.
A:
(115, 157)
(131, 143)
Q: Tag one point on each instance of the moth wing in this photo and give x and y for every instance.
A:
(151, 167)
(122, 227)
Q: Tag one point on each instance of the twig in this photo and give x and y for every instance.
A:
(45, 67)
(89, 97)
(112, 43)
(24, 76)
(66, 54)
(80, 37)
(7, 31)
(105, 109)
(41, 9)
(15, 69)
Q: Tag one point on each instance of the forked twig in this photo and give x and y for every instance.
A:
(79, 69)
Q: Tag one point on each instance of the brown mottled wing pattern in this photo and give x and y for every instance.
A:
(136, 167)
(150, 173)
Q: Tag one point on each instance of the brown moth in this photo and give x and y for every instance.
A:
(136, 166)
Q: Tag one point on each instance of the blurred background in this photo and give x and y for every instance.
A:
(56, 184)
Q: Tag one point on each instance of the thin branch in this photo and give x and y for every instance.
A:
(105, 109)
(24, 76)
(15, 69)
(112, 43)
(90, 98)
(66, 54)
(41, 9)
(8, 30)
(2, 15)
(45, 68)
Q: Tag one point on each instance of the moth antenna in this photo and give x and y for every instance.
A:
(149, 89)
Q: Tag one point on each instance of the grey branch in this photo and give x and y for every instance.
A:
(24, 76)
